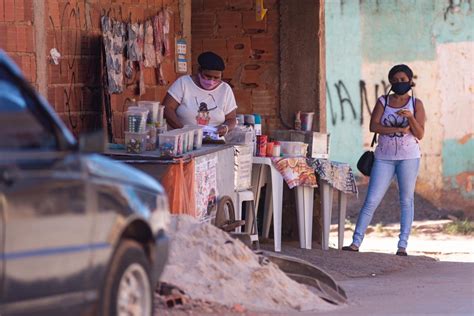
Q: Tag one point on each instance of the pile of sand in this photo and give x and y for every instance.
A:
(208, 264)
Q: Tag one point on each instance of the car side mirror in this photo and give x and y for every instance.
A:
(93, 142)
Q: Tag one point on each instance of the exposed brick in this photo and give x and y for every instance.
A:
(241, 5)
(264, 48)
(244, 100)
(51, 96)
(264, 101)
(30, 39)
(273, 22)
(150, 76)
(251, 25)
(21, 38)
(229, 23)
(214, 4)
(53, 14)
(196, 5)
(3, 35)
(218, 46)
(203, 25)
(9, 10)
(29, 10)
(233, 71)
(20, 10)
(2, 10)
(11, 39)
(33, 69)
(251, 76)
(196, 49)
(238, 49)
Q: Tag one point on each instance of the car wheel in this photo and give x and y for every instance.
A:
(128, 289)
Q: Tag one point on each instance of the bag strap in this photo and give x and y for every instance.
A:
(374, 139)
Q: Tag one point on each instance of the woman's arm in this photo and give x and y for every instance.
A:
(377, 127)
(229, 123)
(170, 112)
(416, 121)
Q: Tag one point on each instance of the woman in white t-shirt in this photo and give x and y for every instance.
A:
(202, 99)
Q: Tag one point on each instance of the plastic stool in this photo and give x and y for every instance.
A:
(251, 218)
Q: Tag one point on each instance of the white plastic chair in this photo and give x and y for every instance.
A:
(247, 197)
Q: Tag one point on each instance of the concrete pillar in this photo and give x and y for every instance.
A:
(303, 78)
(39, 21)
(302, 60)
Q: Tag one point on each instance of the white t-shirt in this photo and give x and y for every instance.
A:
(219, 102)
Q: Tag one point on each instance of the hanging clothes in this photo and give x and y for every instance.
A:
(166, 31)
(134, 47)
(113, 34)
(149, 48)
(157, 23)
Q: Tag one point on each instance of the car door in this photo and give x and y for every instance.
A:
(2, 230)
(47, 221)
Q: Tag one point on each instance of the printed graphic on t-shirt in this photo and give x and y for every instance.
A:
(204, 107)
(395, 121)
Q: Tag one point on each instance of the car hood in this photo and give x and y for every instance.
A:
(104, 167)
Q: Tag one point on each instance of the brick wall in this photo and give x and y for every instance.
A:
(17, 34)
(249, 48)
(73, 28)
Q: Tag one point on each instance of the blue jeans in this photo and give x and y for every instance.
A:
(381, 176)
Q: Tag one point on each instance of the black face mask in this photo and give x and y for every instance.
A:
(401, 88)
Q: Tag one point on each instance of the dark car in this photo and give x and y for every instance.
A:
(79, 233)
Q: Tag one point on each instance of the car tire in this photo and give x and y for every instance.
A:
(128, 289)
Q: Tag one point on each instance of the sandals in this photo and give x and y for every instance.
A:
(349, 248)
(401, 253)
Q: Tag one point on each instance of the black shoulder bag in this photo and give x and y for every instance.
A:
(366, 161)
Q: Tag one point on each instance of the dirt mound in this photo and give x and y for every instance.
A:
(209, 265)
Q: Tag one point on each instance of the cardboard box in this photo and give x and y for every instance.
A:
(319, 144)
(243, 158)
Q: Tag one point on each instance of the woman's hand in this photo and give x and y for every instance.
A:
(405, 130)
(222, 130)
(406, 113)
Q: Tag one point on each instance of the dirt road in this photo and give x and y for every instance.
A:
(441, 288)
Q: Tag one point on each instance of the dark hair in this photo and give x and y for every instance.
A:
(400, 68)
(211, 61)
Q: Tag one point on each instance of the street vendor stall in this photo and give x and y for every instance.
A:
(195, 181)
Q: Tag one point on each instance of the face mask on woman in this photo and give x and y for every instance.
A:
(401, 88)
(208, 84)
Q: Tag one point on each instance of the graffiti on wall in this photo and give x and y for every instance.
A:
(345, 102)
(77, 93)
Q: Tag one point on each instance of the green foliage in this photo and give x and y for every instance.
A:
(464, 227)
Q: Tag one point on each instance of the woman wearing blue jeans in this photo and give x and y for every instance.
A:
(399, 119)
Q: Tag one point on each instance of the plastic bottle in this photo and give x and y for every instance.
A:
(276, 149)
(298, 121)
(258, 124)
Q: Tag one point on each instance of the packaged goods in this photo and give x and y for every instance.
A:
(135, 143)
(152, 107)
(262, 145)
(294, 149)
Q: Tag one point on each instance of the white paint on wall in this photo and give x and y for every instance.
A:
(456, 86)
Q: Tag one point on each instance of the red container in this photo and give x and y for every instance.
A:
(262, 145)
(269, 149)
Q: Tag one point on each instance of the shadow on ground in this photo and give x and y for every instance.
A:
(342, 265)
(388, 211)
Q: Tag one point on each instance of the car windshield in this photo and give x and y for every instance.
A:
(20, 128)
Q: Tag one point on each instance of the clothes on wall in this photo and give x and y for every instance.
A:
(113, 34)
(131, 47)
